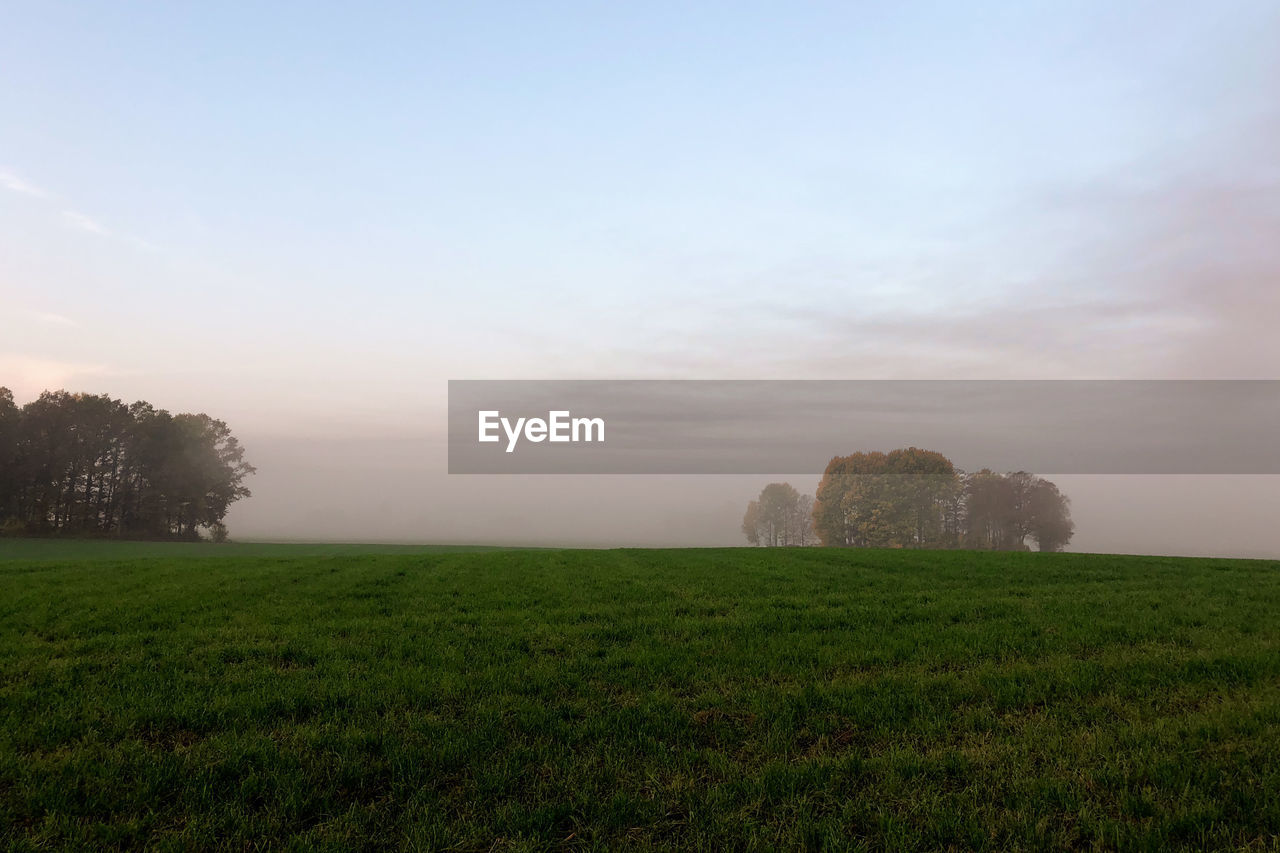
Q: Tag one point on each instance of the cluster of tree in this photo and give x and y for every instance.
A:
(88, 465)
(917, 498)
(780, 516)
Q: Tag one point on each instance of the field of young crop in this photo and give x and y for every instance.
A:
(254, 697)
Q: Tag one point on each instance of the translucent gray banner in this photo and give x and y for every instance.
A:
(796, 426)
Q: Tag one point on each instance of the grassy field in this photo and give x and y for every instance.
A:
(695, 699)
(73, 550)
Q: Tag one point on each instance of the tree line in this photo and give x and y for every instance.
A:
(913, 498)
(88, 465)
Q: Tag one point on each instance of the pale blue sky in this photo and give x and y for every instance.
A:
(305, 218)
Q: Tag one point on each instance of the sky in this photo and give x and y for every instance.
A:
(305, 218)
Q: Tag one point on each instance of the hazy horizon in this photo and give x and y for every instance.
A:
(309, 234)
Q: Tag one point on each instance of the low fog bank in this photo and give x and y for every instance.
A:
(397, 490)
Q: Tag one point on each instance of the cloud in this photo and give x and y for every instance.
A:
(1169, 274)
(70, 217)
(79, 220)
(13, 183)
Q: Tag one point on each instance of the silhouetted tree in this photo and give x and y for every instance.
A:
(86, 464)
(989, 511)
(751, 522)
(781, 516)
(9, 415)
(1002, 511)
(801, 529)
(1050, 521)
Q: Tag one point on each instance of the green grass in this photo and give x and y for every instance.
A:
(694, 699)
(95, 549)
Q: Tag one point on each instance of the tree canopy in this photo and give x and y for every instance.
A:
(780, 516)
(913, 498)
(86, 464)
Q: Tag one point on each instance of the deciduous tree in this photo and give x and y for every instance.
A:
(914, 498)
(780, 516)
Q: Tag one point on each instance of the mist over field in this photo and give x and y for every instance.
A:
(377, 500)
(297, 301)
(310, 247)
